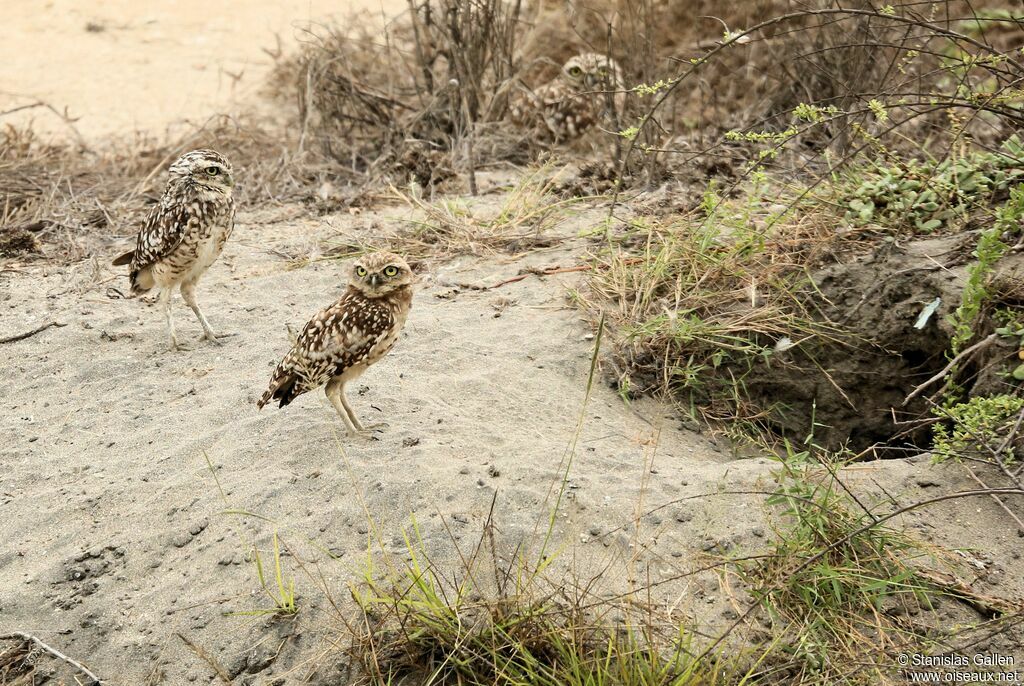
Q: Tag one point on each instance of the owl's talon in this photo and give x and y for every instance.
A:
(217, 338)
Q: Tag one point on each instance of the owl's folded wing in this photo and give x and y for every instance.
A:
(335, 339)
(163, 231)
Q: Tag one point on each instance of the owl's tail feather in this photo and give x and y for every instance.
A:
(283, 387)
(140, 279)
(123, 259)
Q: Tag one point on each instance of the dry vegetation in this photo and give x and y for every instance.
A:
(789, 140)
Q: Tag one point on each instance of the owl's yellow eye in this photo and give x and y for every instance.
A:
(575, 71)
(391, 270)
(360, 272)
(602, 71)
(212, 171)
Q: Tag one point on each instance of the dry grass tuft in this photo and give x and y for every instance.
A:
(59, 195)
(503, 624)
(65, 201)
(846, 594)
(523, 222)
(695, 303)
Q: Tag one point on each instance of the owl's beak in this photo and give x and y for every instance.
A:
(375, 280)
(590, 80)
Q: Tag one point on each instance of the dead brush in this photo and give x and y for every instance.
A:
(834, 61)
(820, 86)
(69, 203)
(53, 198)
(436, 83)
(523, 222)
(17, 663)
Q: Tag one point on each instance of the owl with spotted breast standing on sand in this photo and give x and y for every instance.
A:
(588, 90)
(341, 341)
(184, 234)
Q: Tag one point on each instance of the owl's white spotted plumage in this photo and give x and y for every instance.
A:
(587, 91)
(184, 233)
(341, 341)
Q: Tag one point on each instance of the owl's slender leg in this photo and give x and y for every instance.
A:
(348, 408)
(334, 390)
(352, 414)
(165, 300)
(188, 292)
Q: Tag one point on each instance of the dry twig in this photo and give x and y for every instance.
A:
(207, 658)
(990, 606)
(542, 272)
(980, 345)
(29, 334)
(15, 635)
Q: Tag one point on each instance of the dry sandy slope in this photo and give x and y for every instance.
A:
(115, 537)
(125, 65)
(111, 437)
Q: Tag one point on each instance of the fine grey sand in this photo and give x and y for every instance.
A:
(118, 542)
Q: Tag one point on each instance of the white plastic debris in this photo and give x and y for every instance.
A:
(926, 313)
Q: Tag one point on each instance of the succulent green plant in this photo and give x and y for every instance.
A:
(929, 196)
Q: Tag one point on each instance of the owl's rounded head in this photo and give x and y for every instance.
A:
(378, 273)
(590, 71)
(206, 168)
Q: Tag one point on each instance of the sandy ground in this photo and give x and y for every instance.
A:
(118, 547)
(121, 66)
(117, 525)
(117, 540)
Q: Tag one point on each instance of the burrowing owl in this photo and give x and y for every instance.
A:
(341, 341)
(185, 233)
(585, 92)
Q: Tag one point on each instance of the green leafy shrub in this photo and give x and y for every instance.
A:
(981, 428)
(929, 196)
(1012, 327)
(976, 295)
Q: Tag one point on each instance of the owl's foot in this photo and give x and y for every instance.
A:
(216, 338)
(366, 432)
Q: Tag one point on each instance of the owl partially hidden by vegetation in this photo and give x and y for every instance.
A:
(588, 91)
(184, 234)
(341, 341)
